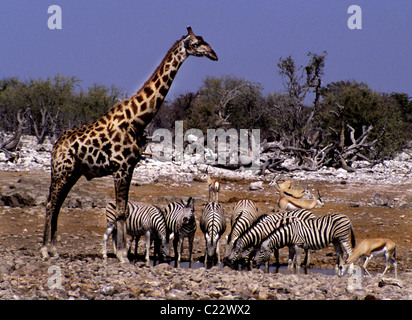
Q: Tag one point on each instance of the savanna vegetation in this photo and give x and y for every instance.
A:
(319, 124)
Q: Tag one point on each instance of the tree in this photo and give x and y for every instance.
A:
(52, 105)
(362, 120)
(296, 130)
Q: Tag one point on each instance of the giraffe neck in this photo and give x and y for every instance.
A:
(136, 112)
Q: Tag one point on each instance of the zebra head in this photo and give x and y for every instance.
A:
(262, 255)
(188, 212)
(235, 254)
(165, 245)
(211, 243)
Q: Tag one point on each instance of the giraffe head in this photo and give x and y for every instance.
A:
(196, 46)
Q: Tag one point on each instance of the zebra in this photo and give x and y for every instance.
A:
(244, 214)
(311, 234)
(180, 219)
(142, 220)
(245, 244)
(213, 225)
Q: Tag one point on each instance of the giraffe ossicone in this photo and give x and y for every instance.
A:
(113, 144)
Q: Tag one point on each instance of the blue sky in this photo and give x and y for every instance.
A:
(121, 42)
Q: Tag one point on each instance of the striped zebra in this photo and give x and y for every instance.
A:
(246, 243)
(244, 214)
(180, 219)
(259, 230)
(213, 225)
(311, 234)
(142, 220)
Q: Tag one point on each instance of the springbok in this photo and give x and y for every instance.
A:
(214, 186)
(286, 188)
(288, 203)
(371, 248)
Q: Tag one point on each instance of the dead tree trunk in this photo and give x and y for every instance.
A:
(14, 141)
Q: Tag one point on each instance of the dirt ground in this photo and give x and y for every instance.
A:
(82, 226)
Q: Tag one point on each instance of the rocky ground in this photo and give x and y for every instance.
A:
(378, 202)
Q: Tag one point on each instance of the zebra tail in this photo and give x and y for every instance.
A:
(353, 241)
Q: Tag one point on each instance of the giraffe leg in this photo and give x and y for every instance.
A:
(122, 185)
(60, 186)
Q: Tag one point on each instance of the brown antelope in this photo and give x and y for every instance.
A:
(286, 188)
(214, 186)
(371, 248)
(288, 203)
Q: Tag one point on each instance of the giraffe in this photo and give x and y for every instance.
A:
(113, 144)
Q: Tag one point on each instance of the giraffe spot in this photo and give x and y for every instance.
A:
(90, 159)
(117, 147)
(148, 91)
(157, 84)
(103, 138)
(128, 114)
(124, 126)
(165, 78)
(95, 152)
(76, 147)
(101, 158)
(83, 149)
(96, 143)
(163, 90)
(107, 148)
(132, 161)
(126, 152)
(117, 137)
(119, 157)
(173, 74)
(118, 117)
(139, 98)
(159, 101)
(102, 121)
(143, 106)
(134, 107)
(99, 129)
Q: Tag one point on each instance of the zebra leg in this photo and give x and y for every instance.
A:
(307, 259)
(114, 239)
(339, 252)
(276, 253)
(176, 245)
(136, 239)
(106, 236)
(292, 250)
(130, 245)
(191, 238)
(147, 257)
(218, 252)
(298, 253)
